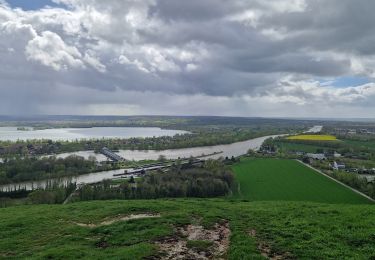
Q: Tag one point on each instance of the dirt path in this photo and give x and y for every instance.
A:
(118, 218)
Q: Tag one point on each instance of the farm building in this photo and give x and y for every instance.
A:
(337, 166)
(316, 156)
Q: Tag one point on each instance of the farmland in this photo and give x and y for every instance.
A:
(313, 137)
(279, 179)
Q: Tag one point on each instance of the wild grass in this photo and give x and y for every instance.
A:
(300, 229)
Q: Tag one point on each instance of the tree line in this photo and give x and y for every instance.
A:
(211, 180)
(19, 169)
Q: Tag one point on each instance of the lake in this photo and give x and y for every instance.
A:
(70, 134)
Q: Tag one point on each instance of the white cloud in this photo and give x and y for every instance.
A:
(303, 92)
(217, 52)
(50, 50)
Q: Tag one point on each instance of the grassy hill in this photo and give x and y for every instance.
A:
(279, 179)
(269, 218)
(297, 229)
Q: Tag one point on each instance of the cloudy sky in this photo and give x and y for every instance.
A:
(293, 58)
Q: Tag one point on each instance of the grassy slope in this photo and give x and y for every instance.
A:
(305, 230)
(278, 179)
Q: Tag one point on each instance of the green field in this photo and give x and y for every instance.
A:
(279, 179)
(301, 230)
(289, 146)
(368, 144)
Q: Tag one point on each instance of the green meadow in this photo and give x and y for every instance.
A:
(297, 229)
(281, 179)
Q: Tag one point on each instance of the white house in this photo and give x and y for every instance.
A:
(337, 166)
(316, 156)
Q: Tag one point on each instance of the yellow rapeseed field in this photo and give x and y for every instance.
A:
(313, 137)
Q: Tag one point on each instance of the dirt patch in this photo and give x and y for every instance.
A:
(266, 250)
(118, 218)
(214, 243)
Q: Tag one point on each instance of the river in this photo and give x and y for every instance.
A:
(234, 149)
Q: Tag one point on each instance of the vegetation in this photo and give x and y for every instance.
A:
(300, 230)
(31, 169)
(357, 154)
(200, 137)
(204, 131)
(280, 179)
(210, 181)
(313, 137)
(52, 195)
(275, 208)
(357, 182)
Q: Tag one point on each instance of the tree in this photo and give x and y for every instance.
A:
(42, 197)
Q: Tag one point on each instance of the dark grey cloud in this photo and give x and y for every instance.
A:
(266, 51)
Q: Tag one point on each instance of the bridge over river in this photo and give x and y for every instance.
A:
(111, 155)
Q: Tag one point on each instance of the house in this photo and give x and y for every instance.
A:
(338, 166)
(316, 156)
(336, 155)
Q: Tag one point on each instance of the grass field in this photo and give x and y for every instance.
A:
(279, 179)
(313, 137)
(291, 146)
(304, 230)
(369, 144)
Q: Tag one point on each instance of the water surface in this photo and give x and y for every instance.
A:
(71, 134)
(235, 149)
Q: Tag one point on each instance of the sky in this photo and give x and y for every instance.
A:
(276, 58)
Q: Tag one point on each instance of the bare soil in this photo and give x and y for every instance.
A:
(176, 247)
(118, 218)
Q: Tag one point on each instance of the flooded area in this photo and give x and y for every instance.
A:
(71, 134)
(234, 149)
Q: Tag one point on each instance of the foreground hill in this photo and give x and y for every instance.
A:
(201, 228)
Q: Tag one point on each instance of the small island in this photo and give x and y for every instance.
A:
(24, 128)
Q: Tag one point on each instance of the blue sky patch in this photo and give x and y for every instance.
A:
(31, 4)
(346, 81)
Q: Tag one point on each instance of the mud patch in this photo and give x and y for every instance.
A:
(266, 250)
(196, 242)
(118, 218)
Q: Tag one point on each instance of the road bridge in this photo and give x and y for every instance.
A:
(111, 155)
